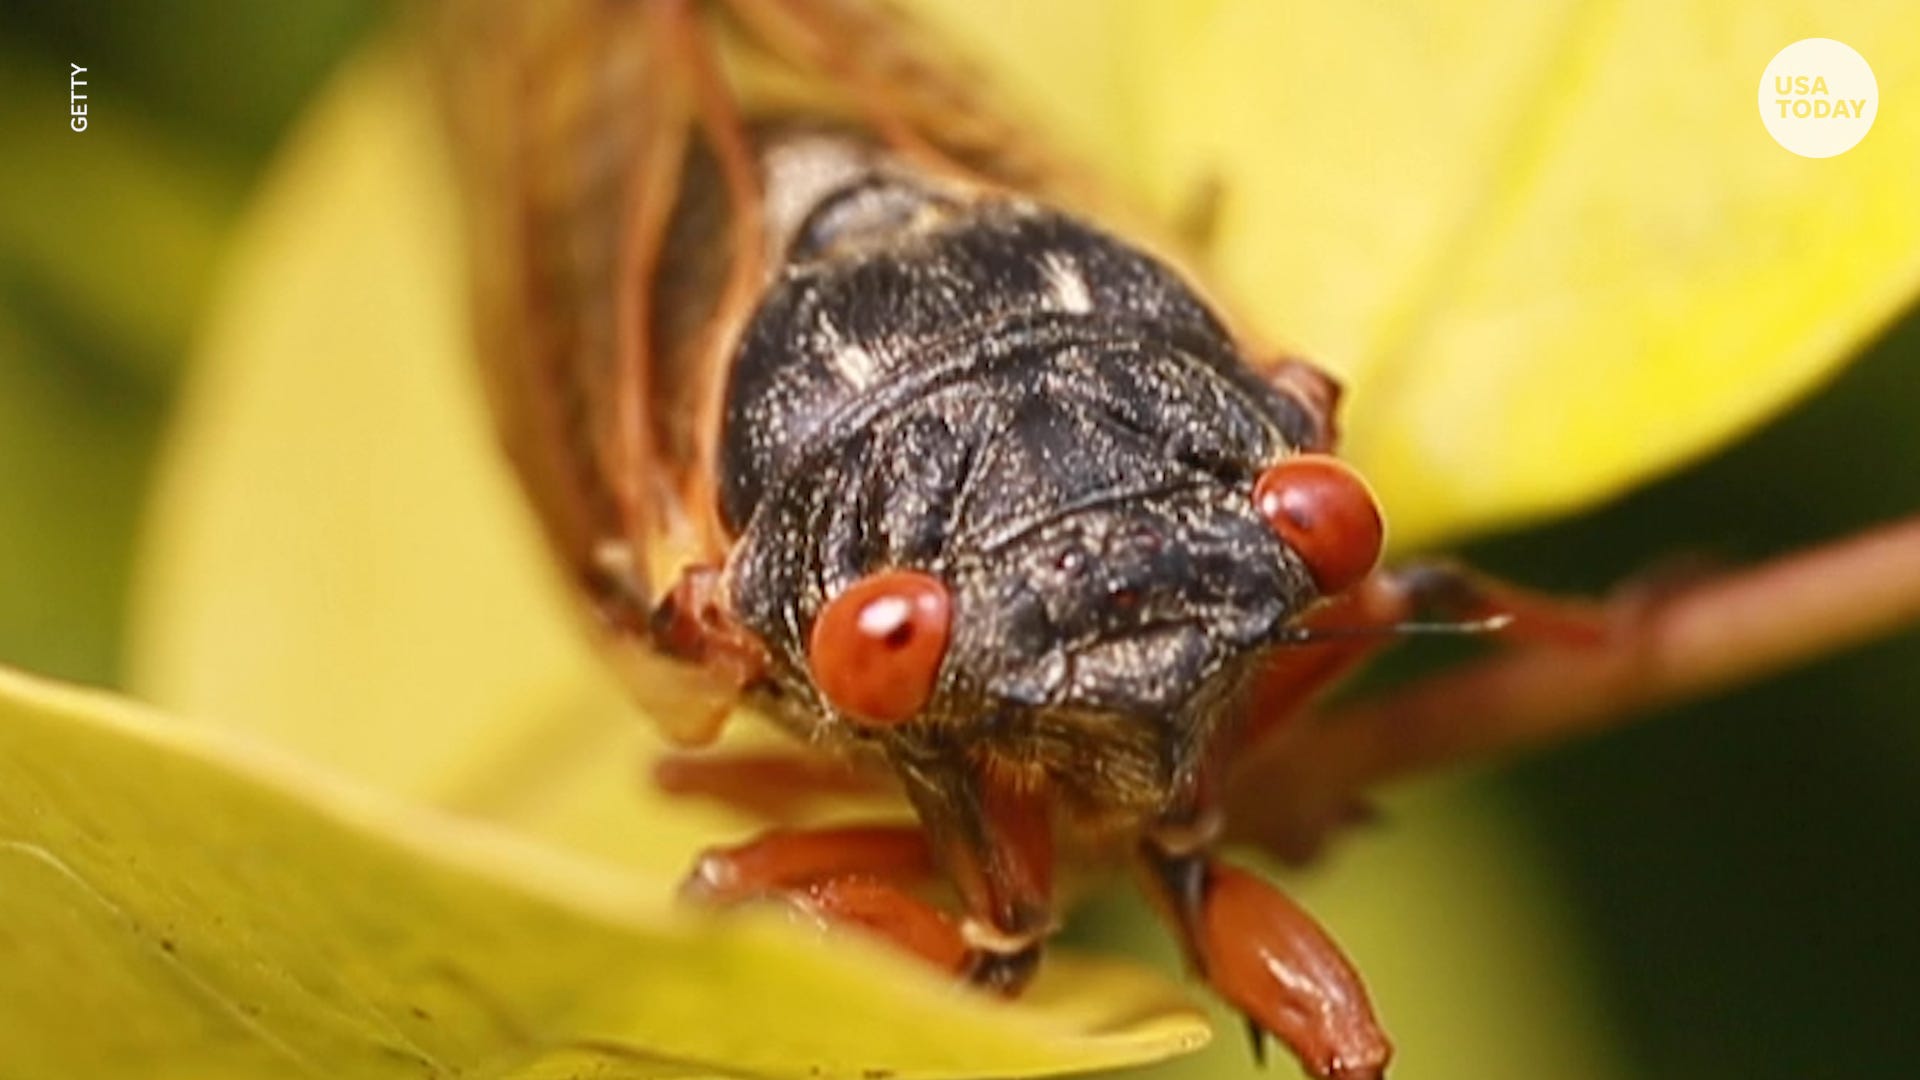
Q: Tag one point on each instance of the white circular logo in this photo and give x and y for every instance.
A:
(1818, 97)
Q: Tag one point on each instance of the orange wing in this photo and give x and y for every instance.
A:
(610, 157)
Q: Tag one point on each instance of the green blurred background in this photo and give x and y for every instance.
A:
(1745, 873)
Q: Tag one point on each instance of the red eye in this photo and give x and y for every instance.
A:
(1325, 513)
(876, 648)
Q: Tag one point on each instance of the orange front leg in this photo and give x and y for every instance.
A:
(775, 785)
(780, 861)
(853, 875)
(1268, 958)
(860, 876)
(1347, 630)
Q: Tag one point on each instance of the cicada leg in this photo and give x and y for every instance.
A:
(1645, 647)
(693, 623)
(782, 860)
(1268, 958)
(991, 842)
(858, 875)
(1350, 629)
(774, 785)
(861, 876)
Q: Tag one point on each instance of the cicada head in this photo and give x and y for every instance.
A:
(1032, 506)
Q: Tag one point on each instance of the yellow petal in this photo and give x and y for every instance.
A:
(180, 904)
(1549, 245)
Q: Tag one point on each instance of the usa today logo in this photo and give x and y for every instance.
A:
(1818, 98)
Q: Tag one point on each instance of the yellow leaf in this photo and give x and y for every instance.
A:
(331, 454)
(180, 904)
(1550, 246)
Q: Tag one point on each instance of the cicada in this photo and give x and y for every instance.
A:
(840, 397)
